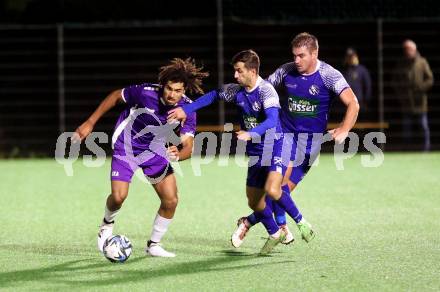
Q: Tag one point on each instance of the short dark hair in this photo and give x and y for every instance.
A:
(305, 39)
(249, 58)
(185, 71)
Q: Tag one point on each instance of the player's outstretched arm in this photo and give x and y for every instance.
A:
(270, 122)
(87, 127)
(272, 114)
(349, 99)
(181, 113)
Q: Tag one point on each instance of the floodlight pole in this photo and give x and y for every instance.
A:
(380, 74)
(61, 89)
(220, 60)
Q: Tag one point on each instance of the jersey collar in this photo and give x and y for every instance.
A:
(259, 80)
(318, 64)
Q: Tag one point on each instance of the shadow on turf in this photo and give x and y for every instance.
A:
(43, 274)
(236, 253)
(61, 272)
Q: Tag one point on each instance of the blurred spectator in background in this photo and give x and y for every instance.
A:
(412, 79)
(359, 79)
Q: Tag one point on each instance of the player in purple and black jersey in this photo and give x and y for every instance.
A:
(143, 138)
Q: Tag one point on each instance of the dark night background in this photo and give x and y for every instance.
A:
(111, 44)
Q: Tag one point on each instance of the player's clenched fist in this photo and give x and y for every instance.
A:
(176, 114)
(82, 131)
(243, 136)
(173, 153)
(339, 135)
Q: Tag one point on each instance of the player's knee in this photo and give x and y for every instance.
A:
(119, 197)
(170, 203)
(272, 190)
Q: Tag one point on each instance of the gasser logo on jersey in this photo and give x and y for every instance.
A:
(250, 122)
(303, 107)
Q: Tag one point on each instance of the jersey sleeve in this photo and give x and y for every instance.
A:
(277, 77)
(228, 92)
(271, 120)
(132, 94)
(333, 79)
(269, 96)
(201, 102)
(189, 127)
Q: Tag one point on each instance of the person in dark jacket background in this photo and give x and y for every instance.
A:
(411, 80)
(358, 77)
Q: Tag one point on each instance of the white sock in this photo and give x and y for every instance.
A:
(109, 216)
(160, 226)
(276, 234)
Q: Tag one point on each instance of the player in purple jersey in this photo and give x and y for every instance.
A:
(142, 139)
(307, 87)
(258, 105)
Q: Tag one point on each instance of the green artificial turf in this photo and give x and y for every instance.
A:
(378, 229)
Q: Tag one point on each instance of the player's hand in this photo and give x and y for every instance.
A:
(82, 131)
(176, 114)
(339, 135)
(173, 153)
(243, 136)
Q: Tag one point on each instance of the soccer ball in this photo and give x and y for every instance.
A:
(117, 248)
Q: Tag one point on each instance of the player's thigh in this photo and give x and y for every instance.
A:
(287, 174)
(166, 189)
(286, 178)
(291, 185)
(255, 198)
(273, 183)
(120, 189)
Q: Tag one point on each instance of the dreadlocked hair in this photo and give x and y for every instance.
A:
(184, 71)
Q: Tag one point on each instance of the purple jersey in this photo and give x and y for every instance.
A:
(305, 99)
(144, 122)
(251, 105)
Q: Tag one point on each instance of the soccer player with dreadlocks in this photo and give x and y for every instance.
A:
(142, 140)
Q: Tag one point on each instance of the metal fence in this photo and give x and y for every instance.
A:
(52, 77)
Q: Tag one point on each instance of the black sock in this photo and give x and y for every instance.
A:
(106, 222)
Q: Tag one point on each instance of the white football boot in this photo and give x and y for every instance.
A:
(289, 236)
(154, 249)
(239, 234)
(306, 230)
(105, 231)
